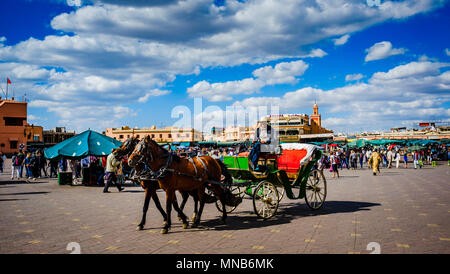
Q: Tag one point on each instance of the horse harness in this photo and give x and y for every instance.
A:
(148, 174)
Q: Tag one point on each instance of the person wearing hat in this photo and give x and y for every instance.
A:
(111, 170)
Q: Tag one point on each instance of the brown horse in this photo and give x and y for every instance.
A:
(150, 185)
(182, 174)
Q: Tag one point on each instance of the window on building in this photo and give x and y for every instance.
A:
(292, 132)
(170, 135)
(128, 136)
(160, 135)
(36, 138)
(120, 136)
(14, 121)
(153, 135)
(13, 144)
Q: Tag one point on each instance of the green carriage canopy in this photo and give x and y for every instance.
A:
(87, 143)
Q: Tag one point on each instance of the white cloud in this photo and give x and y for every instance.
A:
(118, 50)
(74, 3)
(410, 92)
(315, 53)
(281, 73)
(382, 50)
(413, 69)
(447, 51)
(153, 93)
(353, 77)
(341, 40)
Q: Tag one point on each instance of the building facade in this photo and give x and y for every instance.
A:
(160, 135)
(56, 135)
(300, 127)
(35, 137)
(13, 119)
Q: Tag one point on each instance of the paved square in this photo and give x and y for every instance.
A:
(403, 210)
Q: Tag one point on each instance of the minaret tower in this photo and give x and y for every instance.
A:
(316, 123)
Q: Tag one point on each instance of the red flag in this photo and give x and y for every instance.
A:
(8, 81)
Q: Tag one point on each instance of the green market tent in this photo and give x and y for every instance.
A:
(415, 148)
(87, 143)
(358, 143)
(421, 142)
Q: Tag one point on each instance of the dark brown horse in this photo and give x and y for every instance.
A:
(150, 185)
(182, 174)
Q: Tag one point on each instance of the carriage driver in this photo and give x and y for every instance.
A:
(263, 135)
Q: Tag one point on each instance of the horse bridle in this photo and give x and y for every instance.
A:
(147, 173)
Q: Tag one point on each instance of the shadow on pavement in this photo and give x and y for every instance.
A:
(10, 200)
(286, 213)
(22, 181)
(24, 193)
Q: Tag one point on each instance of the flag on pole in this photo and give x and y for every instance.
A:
(8, 81)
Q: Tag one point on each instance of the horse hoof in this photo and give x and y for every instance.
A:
(185, 226)
(179, 219)
(139, 227)
(164, 231)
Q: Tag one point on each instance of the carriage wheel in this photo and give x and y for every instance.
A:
(236, 191)
(316, 190)
(281, 192)
(265, 200)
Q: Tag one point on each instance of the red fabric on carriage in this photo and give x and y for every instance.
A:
(290, 160)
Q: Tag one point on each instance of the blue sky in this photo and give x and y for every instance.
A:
(106, 63)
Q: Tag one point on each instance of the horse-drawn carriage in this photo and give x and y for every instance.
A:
(291, 171)
(290, 168)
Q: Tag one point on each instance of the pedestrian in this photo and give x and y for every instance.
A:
(42, 164)
(416, 158)
(374, 161)
(334, 159)
(397, 159)
(20, 160)
(405, 158)
(53, 167)
(111, 170)
(361, 158)
(353, 159)
(2, 162)
(390, 157)
(28, 166)
(347, 158)
(14, 166)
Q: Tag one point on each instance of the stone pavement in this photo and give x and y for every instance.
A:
(403, 210)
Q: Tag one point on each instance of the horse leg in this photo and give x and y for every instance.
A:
(144, 211)
(224, 210)
(181, 214)
(169, 201)
(202, 197)
(195, 197)
(185, 196)
(158, 204)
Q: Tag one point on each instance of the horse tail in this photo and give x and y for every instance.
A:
(225, 172)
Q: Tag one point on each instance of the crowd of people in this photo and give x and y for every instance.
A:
(216, 153)
(31, 165)
(35, 165)
(376, 158)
